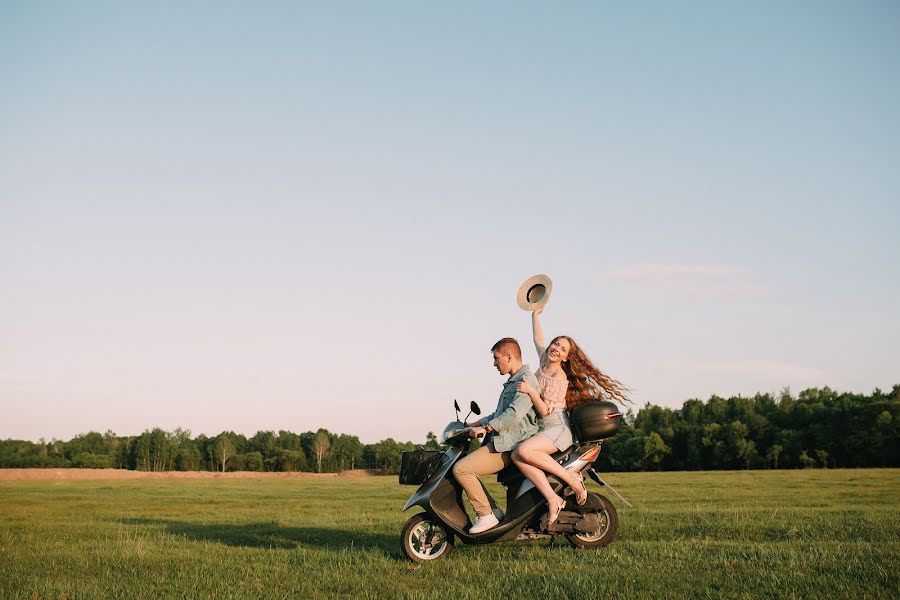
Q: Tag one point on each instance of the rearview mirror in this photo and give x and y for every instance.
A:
(474, 408)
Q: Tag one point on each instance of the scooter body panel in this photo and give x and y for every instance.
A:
(422, 496)
(442, 497)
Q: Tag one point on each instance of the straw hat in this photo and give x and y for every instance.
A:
(534, 293)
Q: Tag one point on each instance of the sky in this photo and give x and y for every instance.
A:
(284, 215)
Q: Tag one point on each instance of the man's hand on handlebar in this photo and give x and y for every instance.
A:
(478, 432)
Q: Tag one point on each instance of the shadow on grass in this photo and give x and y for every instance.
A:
(272, 535)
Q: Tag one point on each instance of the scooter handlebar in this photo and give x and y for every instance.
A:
(457, 435)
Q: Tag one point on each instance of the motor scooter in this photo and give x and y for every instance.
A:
(430, 535)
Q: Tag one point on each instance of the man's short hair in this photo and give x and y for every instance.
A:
(508, 346)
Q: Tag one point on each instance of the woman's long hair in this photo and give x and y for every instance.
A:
(586, 381)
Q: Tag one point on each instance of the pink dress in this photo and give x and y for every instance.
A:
(553, 390)
(555, 424)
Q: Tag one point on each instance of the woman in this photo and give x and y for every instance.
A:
(566, 378)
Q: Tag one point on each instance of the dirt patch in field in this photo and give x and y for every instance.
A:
(35, 474)
(362, 472)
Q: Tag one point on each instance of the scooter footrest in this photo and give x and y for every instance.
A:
(572, 522)
(565, 523)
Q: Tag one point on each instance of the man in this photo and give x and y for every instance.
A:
(513, 421)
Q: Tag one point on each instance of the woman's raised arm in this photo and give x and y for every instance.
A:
(538, 332)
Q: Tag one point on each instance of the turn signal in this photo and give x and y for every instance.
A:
(591, 455)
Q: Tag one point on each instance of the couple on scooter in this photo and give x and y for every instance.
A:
(530, 422)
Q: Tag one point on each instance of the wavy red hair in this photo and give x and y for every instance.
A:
(586, 381)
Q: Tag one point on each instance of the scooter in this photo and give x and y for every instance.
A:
(430, 535)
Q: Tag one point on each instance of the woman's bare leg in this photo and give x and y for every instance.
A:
(535, 452)
(537, 477)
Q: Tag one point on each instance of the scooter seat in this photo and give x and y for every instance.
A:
(512, 472)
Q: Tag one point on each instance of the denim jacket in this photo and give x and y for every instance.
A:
(514, 419)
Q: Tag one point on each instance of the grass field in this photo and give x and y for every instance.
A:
(773, 534)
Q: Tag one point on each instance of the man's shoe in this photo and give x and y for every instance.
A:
(484, 523)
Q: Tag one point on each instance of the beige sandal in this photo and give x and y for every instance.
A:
(580, 495)
(554, 514)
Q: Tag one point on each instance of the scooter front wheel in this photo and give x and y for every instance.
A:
(424, 539)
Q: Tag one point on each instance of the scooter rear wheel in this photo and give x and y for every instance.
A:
(609, 525)
(423, 539)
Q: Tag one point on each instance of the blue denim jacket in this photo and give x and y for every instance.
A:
(514, 419)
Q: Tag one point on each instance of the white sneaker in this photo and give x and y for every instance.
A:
(484, 523)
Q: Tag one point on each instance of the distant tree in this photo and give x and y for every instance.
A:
(253, 461)
(737, 443)
(223, 450)
(346, 452)
(292, 460)
(806, 460)
(387, 454)
(321, 444)
(655, 449)
(431, 441)
(153, 450)
(88, 460)
(112, 445)
(123, 454)
(306, 442)
(289, 440)
(773, 454)
(238, 462)
(712, 445)
(187, 454)
(204, 445)
(886, 437)
(746, 451)
(266, 443)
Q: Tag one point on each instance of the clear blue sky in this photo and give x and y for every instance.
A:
(236, 216)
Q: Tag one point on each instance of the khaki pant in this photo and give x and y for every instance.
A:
(483, 461)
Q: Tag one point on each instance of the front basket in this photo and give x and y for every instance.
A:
(418, 465)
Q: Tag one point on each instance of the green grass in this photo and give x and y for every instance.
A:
(749, 534)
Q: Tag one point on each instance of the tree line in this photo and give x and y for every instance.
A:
(159, 450)
(817, 428)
